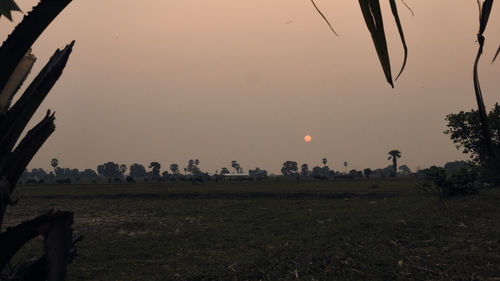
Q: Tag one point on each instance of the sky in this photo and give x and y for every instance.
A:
(225, 80)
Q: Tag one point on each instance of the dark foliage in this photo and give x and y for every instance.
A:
(447, 185)
(464, 129)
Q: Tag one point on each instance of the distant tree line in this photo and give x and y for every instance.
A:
(117, 173)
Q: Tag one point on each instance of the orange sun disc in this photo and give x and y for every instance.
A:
(307, 138)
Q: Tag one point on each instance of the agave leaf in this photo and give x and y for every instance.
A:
(374, 22)
(6, 6)
(394, 9)
(323, 16)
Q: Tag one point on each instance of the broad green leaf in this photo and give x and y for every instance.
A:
(374, 22)
(6, 6)
(323, 16)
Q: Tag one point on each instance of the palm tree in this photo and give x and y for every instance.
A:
(54, 162)
(324, 161)
(236, 166)
(394, 154)
(16, 152)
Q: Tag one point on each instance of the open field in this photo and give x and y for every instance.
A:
(337, 230)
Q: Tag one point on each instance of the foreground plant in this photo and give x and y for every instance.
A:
(462, 182)
(16, 63)
(374, 21)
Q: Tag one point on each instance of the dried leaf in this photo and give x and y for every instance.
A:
(408, 7)
(323, 16)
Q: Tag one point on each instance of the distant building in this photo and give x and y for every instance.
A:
(236, 176)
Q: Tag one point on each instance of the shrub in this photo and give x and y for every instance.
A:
(446, 185)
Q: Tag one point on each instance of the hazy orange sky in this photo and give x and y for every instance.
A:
(226, 80)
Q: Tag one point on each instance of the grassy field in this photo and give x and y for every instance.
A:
(337, 230)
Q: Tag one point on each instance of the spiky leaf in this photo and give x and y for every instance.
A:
(394, 9)
(6, 7)
(374, 22)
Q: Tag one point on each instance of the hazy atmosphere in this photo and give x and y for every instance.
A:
(225, 80)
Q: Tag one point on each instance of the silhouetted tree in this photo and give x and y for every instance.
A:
(137, 171)
(88, 174)
(111, 170)
(54, 162)
(455, 166)
(367, 172)
(320, 172)
(236, 166)
(304, 170)
(224, 171)
(257, 173)
(192, 167)
(355, 173)
(464, 129)
(405, 170)
(394, 155)
(345, 166)
(174, 168)
(289, 168)
(100, 170)
(123, 169)
(324, 161)
(155, 169)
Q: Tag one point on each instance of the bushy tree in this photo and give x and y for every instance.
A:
(192, 167)
(174, 168)
(289, 168)
(404, 170)
(236, 166)
(88, 174)
(367, 172)
(123, 169)
(304, 170)
(257, 173)
(464, 129)
(455, 166)
(355, 173)
(137, 171)
(155, 169)
(110, 170)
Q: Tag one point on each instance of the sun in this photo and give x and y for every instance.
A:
(307, 138)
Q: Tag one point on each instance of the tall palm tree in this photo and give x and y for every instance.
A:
(54, 163)
(394, 154)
